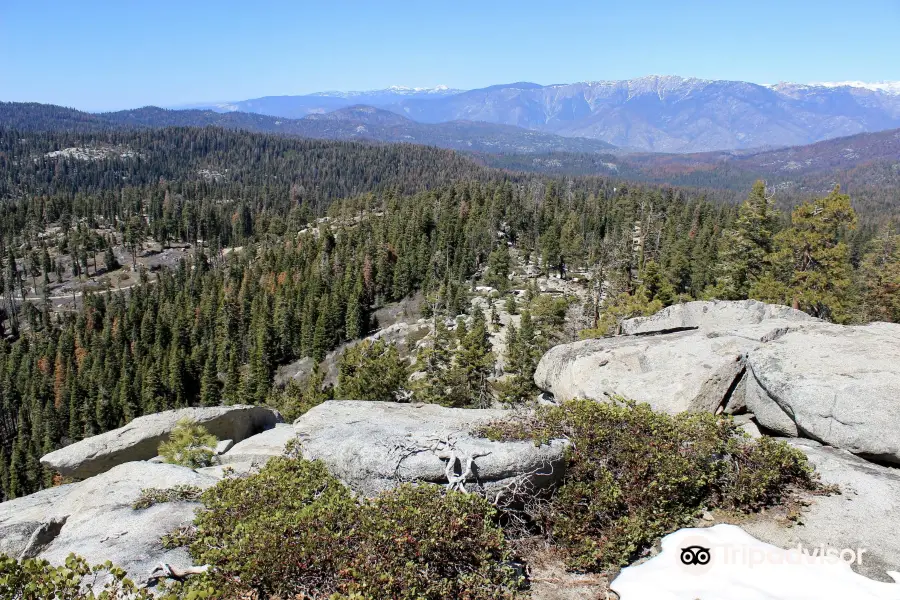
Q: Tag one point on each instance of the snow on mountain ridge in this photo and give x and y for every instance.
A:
(400, 90)
(889, 87)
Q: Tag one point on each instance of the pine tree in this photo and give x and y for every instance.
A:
(442, 382)
(523, 351)
(4, 476)
(210, 392)
(879, 274)
(372, 371)
(476, 359)
(744, 247)
(810, 267)
(498, 267)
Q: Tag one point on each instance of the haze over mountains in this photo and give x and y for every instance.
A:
(655, 113)
(357, 122)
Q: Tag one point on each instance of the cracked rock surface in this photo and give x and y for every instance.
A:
(95, 519)
(376, 446)
(837, 385)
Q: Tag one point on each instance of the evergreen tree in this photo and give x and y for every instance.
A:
(498, 267)
(879, 273)
(810, 267)
(442, 381)
(210, 392)
(476, 360)
(372, 371)
(744, 247)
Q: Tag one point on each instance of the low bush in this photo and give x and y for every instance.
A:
(190, 445)
(34, 579)
(295, 530)
(179, 493)
(634, 475)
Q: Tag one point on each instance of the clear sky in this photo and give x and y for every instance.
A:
(111, 54)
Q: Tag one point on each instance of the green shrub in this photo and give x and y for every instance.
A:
(372, 371)
(418, 542)
(179, 493)
(634, 474)
(190, 445)
(293, 529)
(34, 579)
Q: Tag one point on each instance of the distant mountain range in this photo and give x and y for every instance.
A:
(866, 164)
(297, 107)
(656, 113)
(350, 123)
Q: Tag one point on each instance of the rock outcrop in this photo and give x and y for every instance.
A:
(799, 376)
(714, 315)
(140, 439)
(375, 446)
(95, 519)
(673, 373)
(260, 448)
(863, 515)
(838, 385)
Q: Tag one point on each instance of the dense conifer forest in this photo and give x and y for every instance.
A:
(293, 245)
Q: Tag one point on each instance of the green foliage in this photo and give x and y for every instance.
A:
(548, 313)
(744, 246)
(810, 265)
(510, 305)
(443, 382)
(498, 267)
(475, 359)
(879, 274)
(293, 529)
(296, 399)
(635, 474)
(34, 579)
(372, 371)
(619, 308)
(523, 351)
(189, 445)
(179, 493)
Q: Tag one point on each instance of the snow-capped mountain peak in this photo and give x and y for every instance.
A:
(888, 87)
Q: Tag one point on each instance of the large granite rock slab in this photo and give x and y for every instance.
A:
(140, 439)
(261, 447)
(673, 373)
(95, 519)
(838, 385)
(375, 446)
(864, 515)
(715, 315)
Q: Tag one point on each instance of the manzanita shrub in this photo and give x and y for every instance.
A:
(36, 579)
(293, 530)
(634, 474)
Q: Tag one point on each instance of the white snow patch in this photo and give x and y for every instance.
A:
(740, 567)
(889, 87)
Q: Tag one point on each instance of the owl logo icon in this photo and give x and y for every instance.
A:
(695, 555)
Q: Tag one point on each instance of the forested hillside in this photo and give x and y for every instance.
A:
(867, 165)
(263, 282)
(354, 123)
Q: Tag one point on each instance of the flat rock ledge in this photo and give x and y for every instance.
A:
(376, 446)
(140, 439)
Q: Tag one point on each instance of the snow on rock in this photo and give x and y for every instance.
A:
(737, 566)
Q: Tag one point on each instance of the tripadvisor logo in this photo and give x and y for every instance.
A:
(698, 555)
(695, 555)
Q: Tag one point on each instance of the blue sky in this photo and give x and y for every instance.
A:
(101, 55)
